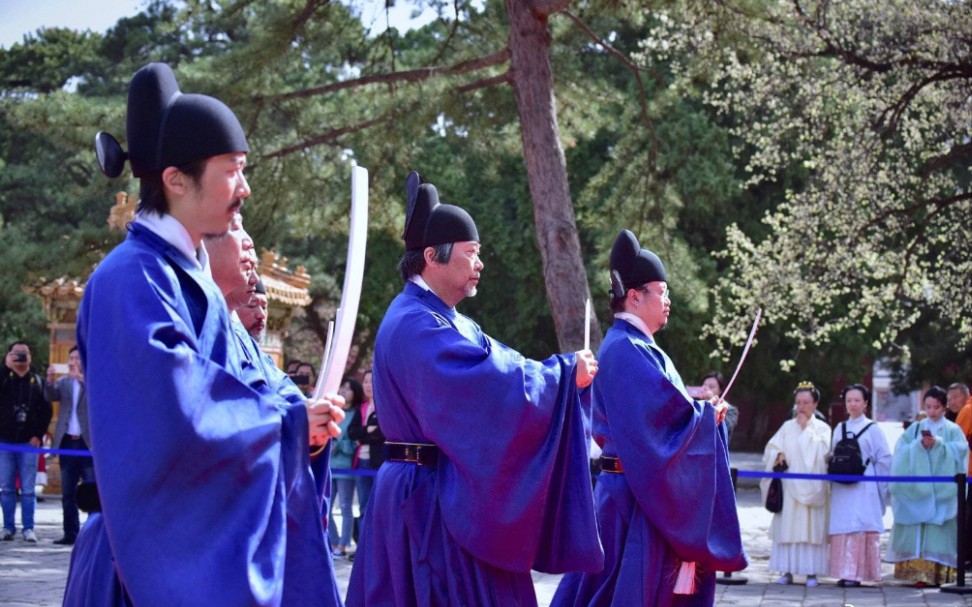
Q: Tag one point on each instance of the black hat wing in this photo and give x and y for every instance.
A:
(111, 156)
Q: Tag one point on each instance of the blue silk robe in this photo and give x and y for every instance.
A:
(674, 502)
(511, 489)
(207, 494)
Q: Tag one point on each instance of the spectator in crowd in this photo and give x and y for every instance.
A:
(959, 400)
(364, 429)
(923, 542)
(221, 488)
(24, 417)
(715, 384)
(799, 532)
(658, 442)
(486, 473)
(304, 377)
(960, 392)
(342, 485)
(253, 314)
(857, 509)
(71, 432)
(955, 403)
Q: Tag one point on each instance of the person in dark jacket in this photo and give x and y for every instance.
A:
(24, 417)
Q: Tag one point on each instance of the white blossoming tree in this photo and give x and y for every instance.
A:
(873, 99)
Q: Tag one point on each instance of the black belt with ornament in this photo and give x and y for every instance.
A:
(422, 454)
(611, 464)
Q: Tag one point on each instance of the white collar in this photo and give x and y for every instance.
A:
(171, 230)
(636, 322)
(418, 280)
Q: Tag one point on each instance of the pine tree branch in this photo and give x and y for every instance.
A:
(416, 75)
(504, 78)
(328, 137)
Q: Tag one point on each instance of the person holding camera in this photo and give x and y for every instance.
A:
(303, 377)
(24, 416)
(71, 432)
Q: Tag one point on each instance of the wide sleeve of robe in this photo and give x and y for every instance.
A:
(674, 455)
(513, 476)
(260, 373)
(875, 448)
(189, 458)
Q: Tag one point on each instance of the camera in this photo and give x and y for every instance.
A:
(301, 380)
(20, 357)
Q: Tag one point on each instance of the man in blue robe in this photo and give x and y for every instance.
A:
(486, 474)
(233, 266)
(666, 508)
(200, 473)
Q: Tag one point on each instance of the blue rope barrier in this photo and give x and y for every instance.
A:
(846, 477)
(27, 448)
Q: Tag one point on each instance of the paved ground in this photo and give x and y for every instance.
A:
(34, 574)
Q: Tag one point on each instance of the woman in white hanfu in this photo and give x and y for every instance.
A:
(799, 532)
(923, 542)
(857, 509)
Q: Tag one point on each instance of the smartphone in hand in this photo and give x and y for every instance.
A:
(696, 391)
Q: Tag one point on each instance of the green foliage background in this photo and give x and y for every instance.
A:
(642, 153)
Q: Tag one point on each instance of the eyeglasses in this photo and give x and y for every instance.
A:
(666, 293)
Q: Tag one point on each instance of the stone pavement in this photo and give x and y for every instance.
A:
(35, 574)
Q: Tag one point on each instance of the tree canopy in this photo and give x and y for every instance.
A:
(871, 101)
(807, 158)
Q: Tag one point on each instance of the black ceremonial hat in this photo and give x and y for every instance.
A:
(260, 287)
(634, 266)
(429, 223)
(168, 128)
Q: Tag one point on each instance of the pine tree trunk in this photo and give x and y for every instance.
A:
(563, 265)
